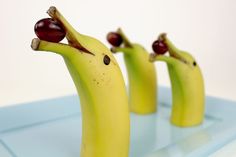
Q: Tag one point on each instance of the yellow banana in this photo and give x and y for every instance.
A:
(101, 88)
(141, 75)
(188, 96)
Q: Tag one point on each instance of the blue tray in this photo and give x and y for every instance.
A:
(52, 128)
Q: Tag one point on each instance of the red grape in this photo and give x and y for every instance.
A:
(114, 39)
(159, 47)
(49, 30)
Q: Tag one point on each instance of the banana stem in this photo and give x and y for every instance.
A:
(124, 50)
(154, 57)
(56, 15)
(124, 37)
(59, 48)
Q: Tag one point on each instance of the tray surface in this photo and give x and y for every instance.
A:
(52, 128)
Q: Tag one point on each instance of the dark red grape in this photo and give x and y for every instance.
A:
(159, 47)
(114, 39)
(49, 30)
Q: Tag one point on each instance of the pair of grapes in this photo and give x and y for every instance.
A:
(53, 31)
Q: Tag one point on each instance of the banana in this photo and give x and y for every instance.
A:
(141, 76)
(188, 95)
(101, 88)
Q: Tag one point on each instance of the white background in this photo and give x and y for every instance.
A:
(206, 28)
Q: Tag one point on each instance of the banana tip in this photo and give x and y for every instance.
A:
(162, 36)
(152, 57)
(35, 43)
(113, 49)
(51, 11)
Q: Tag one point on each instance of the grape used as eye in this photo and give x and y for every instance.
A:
(49, 30)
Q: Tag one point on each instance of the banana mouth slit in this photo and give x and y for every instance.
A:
(124, 46)
(154, 56)
(174, 54)
(78, 46)
(70, 31)
(125, 39)
(172, 50)
(179, 58)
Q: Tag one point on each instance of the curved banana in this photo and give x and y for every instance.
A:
(101, 88)
(188, 96)
(141, 76)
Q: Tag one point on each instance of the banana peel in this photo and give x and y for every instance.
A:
(141, 76)
(188, 94)
(101, 88)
